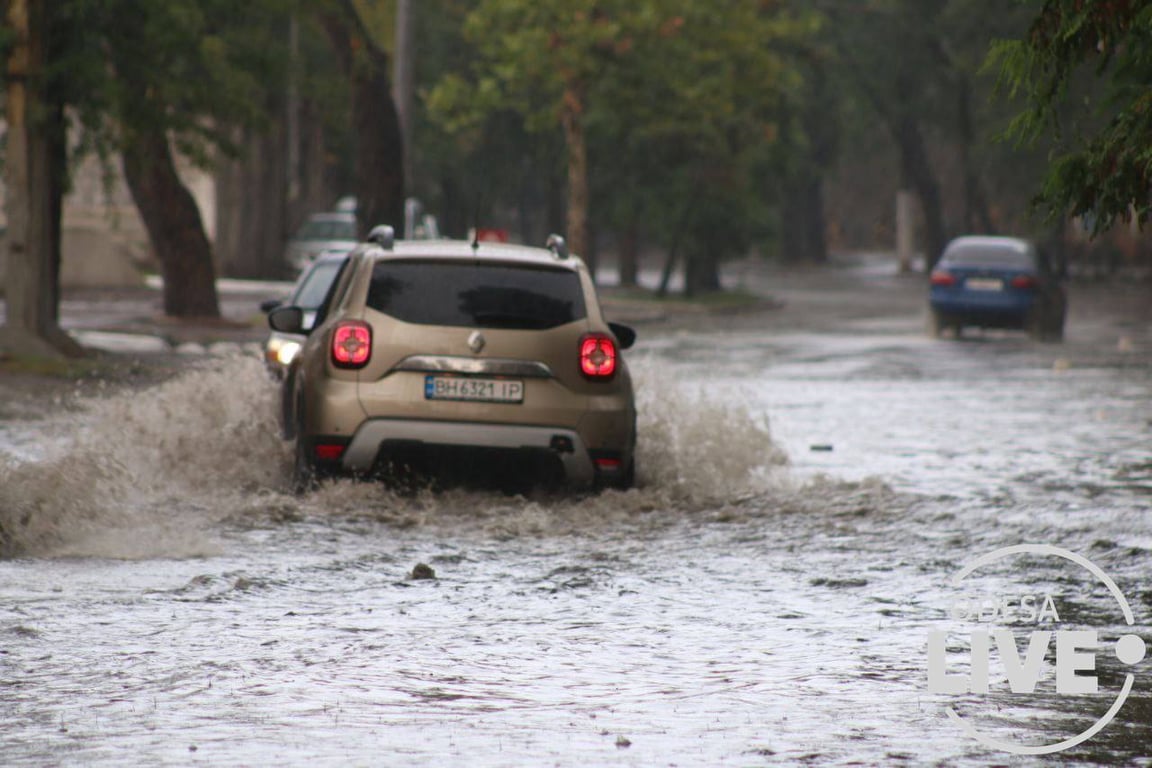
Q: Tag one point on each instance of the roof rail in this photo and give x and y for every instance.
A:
(383, 236)
(556, 244)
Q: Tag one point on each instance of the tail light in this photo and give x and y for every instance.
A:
(1023, 281)
(942, 278)
(351, 344)
(328, 451)
(598, 356)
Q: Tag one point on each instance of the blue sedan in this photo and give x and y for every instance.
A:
(997, 282)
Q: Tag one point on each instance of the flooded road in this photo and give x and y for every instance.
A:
(811, 480)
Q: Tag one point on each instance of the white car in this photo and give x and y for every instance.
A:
(331, 231)
(308, 293)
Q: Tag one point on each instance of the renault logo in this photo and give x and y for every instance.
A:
(476, 342)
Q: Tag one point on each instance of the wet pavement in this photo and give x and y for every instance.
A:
(811, 479)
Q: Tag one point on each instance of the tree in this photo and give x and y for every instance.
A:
(696, 116)
(186, 74)
(290, 167)
(379, 149)
(672, 94)
(32, 175)
(1101, 52)
(540, 58)
(904, 91)
(139, 80)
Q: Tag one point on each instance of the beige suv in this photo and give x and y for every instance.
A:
(474, 362)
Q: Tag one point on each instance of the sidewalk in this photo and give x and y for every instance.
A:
(132, 321)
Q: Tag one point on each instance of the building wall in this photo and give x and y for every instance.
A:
(105, 244)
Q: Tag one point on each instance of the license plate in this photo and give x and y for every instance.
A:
(467, 388)
(983, 284)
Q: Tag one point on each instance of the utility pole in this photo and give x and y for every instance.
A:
(402, 82)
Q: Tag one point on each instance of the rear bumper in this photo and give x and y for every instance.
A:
(566, 444)
(962, 302)
(992, 309)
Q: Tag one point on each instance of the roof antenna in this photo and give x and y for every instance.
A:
(556, 244)
(476, 225)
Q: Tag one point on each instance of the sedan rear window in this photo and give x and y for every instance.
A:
(476, 295)
(328, 229)
(1005, 257)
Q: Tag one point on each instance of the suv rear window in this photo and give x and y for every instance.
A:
(476, 295)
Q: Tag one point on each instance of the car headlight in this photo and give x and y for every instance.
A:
(287, 352)
(281, 351)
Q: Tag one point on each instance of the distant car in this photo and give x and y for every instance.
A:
(997, 282)
(479, 361)
(331, 231)
(308, 293)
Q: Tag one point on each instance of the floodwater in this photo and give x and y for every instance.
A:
(811, 480)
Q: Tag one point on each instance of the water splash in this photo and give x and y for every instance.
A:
(153, 472)
(146, 469)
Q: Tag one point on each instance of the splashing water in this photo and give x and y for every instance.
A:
(153, 472)
(146, 468)
(698, 450)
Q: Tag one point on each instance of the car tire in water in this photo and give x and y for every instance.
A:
(935, 324)
(287, 417)
(1045, 325)
(1056, 329)
(938, 325)
(628, 480)
(304, 477)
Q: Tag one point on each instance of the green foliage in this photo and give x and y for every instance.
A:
(195, 68)
(681, 100)
(1084, 68)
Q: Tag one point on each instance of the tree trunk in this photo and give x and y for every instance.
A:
(571, 119)
(57, 135)
(375, 121)
(683, 224)
(802, 239)
(174, 226)
(251, 209)
(977, 218)
(629, 254)
(915, 167)
(701, 273)
(32, 289)
(667, 270)
(804, 235)
(918, 172)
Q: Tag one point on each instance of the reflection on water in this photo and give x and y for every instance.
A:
(753, 601)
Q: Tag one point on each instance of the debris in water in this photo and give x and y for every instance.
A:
(820, 447)
(422, 571)
(838, 583)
